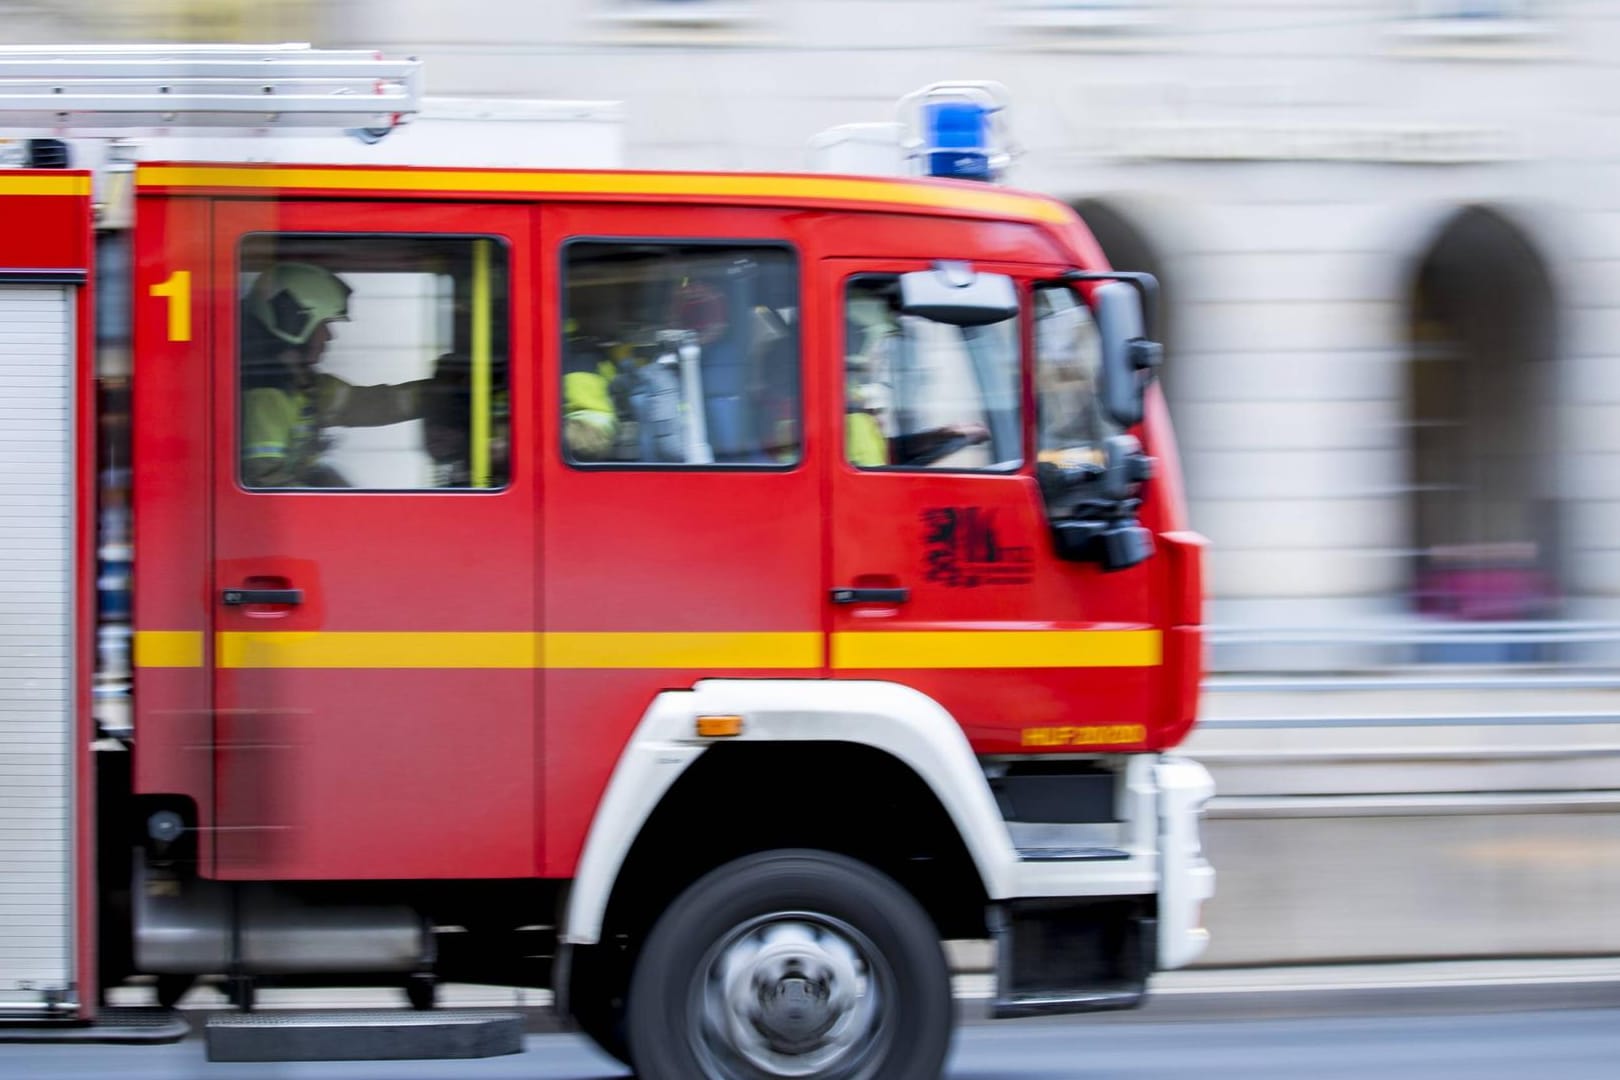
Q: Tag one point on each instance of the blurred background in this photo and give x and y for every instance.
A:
(1386, 230)
(1389, 237)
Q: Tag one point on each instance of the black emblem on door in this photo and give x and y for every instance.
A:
(963, 549)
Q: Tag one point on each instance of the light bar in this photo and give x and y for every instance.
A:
(956, 130)
(956, 138)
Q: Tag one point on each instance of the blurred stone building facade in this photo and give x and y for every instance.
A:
(1389, 233)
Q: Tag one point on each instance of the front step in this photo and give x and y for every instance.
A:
(1069, 955)
(1071, 854)
(363, 1036)
(111, 1026)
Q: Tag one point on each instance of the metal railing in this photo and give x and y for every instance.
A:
(1429, 652)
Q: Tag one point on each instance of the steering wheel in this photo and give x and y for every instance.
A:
(941, 451)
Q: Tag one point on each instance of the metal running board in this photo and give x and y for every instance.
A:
(126, 1025)
(1071, 854)
(62, 89)
(381, 1035)
(1101, 999)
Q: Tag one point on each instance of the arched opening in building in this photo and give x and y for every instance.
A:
(1128, 247)
(1480, 379)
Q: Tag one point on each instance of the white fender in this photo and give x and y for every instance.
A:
(885, 716)
(895, 719)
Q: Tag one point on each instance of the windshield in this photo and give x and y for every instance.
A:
(1070, 422)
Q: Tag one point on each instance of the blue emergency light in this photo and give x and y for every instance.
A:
(957, 130)
(957, 139)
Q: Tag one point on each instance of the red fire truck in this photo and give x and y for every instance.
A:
(699, 594)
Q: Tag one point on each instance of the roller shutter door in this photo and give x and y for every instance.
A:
(36, 640)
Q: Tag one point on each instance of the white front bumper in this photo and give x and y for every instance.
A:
(1186, 880)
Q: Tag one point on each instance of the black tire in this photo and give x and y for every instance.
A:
(596, 998)
(171, 988)
(827, 906)
(242, 991)
(422, 991)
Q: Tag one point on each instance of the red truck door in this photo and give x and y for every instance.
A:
(943, 573)
(375, 531)
(686, 542)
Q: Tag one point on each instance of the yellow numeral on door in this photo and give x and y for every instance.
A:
(176, 289)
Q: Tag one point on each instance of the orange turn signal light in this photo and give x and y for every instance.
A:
(714, 727)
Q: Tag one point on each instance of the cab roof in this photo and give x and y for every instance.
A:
(937, 197)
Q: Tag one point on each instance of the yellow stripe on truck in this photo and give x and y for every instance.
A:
(914, 649)
(395, 649)
(168, 648)
(408, 649)
(664, 650)
(44, 185)
(896, 650)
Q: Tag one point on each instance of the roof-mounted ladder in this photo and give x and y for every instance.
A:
(58, 90)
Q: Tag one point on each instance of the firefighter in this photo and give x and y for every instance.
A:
(865, 443)
(866, 398)
(287, 404)
(590, 413)
(590, 423)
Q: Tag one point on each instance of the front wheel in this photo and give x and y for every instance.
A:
(791, 964)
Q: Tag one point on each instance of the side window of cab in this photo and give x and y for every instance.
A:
(372, 362)
(923, 394)
(680, 355)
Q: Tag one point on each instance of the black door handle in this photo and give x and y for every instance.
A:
(238, 597)
(847, 595)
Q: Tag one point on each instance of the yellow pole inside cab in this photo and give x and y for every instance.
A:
(481, 316)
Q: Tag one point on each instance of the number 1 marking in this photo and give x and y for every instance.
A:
(177, 290)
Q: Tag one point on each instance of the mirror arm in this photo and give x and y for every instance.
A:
(1144, 283)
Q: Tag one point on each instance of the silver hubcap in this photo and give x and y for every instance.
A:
(792, 995)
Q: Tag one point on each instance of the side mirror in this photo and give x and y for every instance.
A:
(1105, 530)
(1125, 468)
(1129, 358)
(954, 294)
(1113, 545)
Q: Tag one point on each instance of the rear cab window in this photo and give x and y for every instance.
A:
(680, 354)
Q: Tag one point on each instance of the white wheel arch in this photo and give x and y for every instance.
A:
(897, 720)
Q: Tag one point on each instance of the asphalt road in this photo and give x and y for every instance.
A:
(1406, 1043)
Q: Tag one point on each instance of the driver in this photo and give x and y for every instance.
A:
(866, 400)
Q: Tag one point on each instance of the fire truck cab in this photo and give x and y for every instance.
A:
(700, 594)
